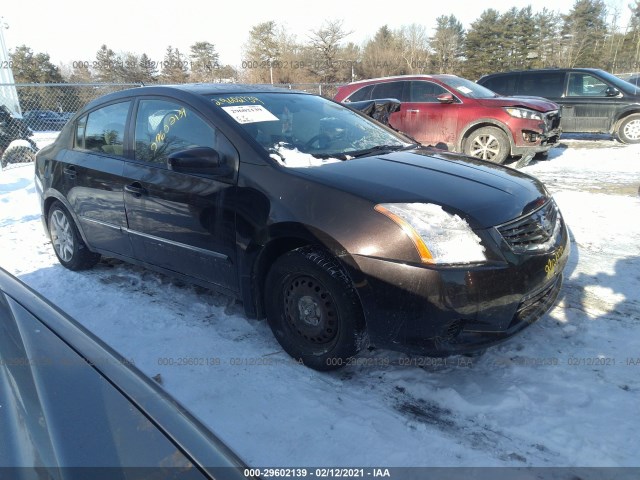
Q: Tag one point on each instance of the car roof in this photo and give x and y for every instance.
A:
(191, 88)
(545, 70)
(439, 76)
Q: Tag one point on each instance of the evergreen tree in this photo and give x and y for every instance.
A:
(483, 45)
(547, 25)
(262, 52)
(381, 54)
(447, 44)
(175, 67)
(204, 62)
(583, 33)
(108, 66)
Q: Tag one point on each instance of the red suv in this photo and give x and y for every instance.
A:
(465, 116)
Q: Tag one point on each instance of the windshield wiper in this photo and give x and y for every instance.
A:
(381, 148)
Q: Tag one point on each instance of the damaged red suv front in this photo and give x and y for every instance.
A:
(452, 112)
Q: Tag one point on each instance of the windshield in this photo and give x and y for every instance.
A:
(468, 88)
(306, 130)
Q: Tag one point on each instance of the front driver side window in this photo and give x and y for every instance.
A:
(585, 85)
(164, 127)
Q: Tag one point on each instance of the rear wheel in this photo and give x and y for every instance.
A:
(488, 143)
(313, 309)
(70, 249)
(629, 129)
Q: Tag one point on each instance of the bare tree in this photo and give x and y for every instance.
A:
(325, 47)
(413, 41)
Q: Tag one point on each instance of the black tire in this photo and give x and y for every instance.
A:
(67, 243)
(488, 143)
(310, 282)
(629, 129)
(18, 154)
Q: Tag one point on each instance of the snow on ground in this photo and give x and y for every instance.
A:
(564, 393)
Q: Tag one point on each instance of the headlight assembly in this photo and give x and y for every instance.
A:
(439, 237)
(524, 113)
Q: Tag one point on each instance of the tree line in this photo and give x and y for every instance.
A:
(589, 35)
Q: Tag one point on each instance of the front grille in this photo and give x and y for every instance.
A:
(536, 304)
(534, 231)
(552, 120)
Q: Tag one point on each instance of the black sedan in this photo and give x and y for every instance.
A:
(342, 232)
(73, 408)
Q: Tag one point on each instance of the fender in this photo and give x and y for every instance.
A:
(622, 114)
(279, 239)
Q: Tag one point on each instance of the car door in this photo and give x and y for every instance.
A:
(425, 118)
(91, 177)
(392, 90)
(181, 222)
(589, 104)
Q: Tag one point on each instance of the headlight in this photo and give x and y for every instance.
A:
(438, 236)
(524, 113)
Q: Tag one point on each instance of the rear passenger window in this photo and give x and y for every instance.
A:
(503, 84)
(102, 130)
(362, 94)
(425, 92)
(542, 84)
(388, 90)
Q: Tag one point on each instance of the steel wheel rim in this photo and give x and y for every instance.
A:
(486, 147)
(309, 309)
(632, 130)
(61, 235)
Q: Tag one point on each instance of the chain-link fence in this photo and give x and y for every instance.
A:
(46, 108)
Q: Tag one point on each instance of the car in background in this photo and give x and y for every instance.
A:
(446, 110)
(592, 100)
(339, 230)
(69, 400)
(632, 79)
(39, 120)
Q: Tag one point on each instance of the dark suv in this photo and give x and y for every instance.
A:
(448, 110)
(592, 100)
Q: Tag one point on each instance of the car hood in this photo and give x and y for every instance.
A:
(482, 193)
(535, 103)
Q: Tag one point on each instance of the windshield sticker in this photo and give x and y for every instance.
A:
(466, 90)
(232, 100)
(250, 114)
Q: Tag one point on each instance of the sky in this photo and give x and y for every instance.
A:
(72, 30)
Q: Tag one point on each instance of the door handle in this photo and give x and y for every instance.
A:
(70, 171)
(413, 111)
(135, 189)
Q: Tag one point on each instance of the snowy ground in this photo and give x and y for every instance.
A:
(564, 393)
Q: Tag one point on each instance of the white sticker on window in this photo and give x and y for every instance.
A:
(464, 90)
(250, 114)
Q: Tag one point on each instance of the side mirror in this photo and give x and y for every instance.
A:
(198, 160)
(445, 98)
(612, 92)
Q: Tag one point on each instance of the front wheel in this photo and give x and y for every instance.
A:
(313, 310)
(70, 249)
(488, 143)
(629, 129)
